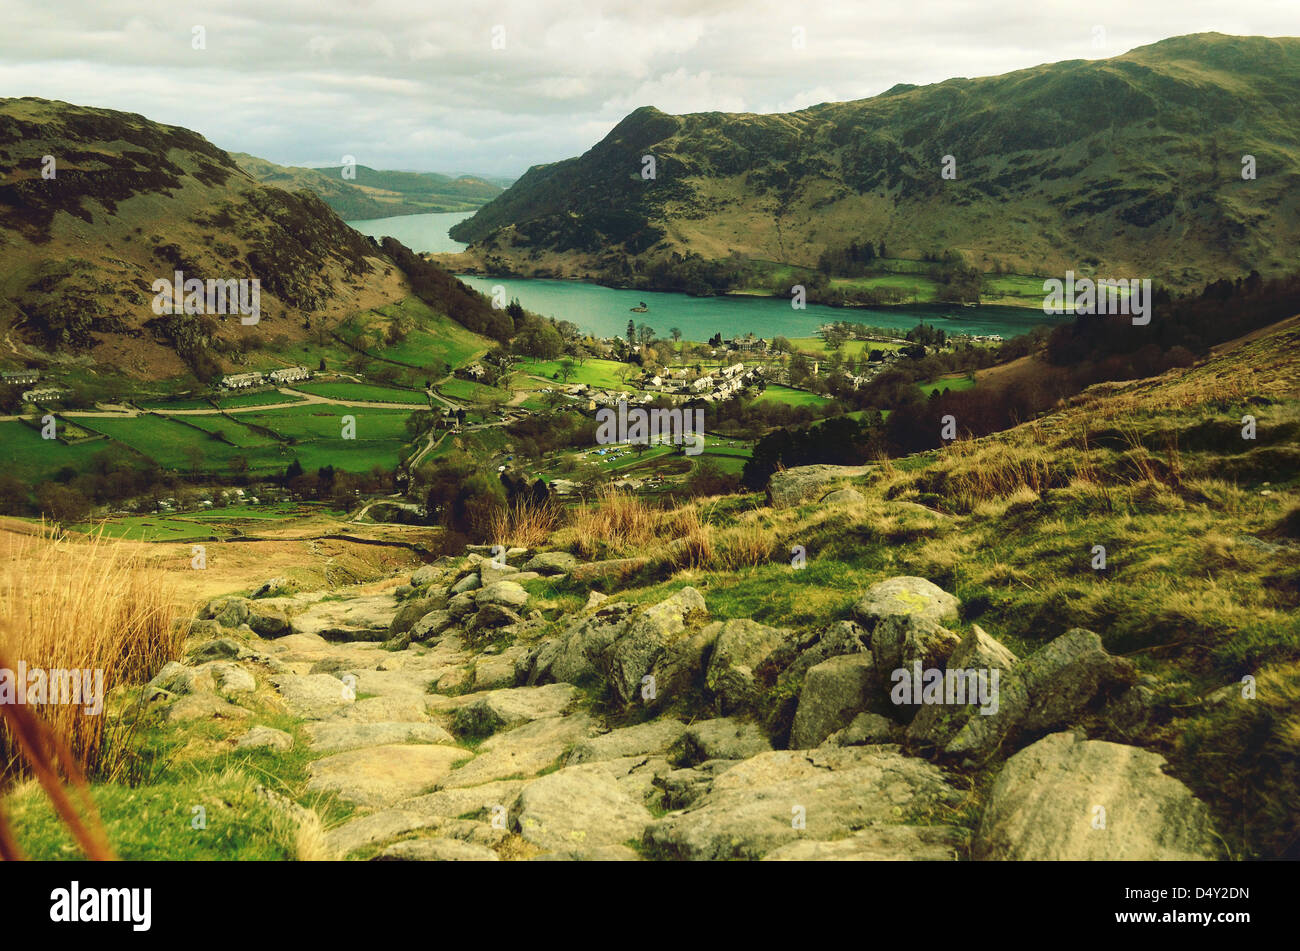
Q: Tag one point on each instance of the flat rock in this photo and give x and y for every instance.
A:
(749, 810)
(437, 850)
(382, 775)
(501, 709)
(654, 736)
(524, 751)
(265, 738)
(566, 810)
(1044, 806)
(314, 696)
(333, 736)
(883, 843)
(723, 738)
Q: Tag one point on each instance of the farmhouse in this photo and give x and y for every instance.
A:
(19, 378)
(43, 393)
(289, 375)
(242, 381)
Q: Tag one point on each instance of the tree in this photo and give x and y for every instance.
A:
(631, 332)
(566, 369)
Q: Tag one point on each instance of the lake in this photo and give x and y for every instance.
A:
(605, 311)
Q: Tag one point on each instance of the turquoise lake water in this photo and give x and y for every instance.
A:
(605, 311)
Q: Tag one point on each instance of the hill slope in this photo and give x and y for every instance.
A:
(132, 201)
(1126, 166)
(375, 194)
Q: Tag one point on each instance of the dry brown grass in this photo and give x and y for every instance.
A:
(524, 524)
(82, 604)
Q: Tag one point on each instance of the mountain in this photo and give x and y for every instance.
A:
(1129, 166)
(128, 202)
(376, 194)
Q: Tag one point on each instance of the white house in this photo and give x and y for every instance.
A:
(290, 374)
(241, 381)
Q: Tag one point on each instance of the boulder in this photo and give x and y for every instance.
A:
(269, 622)
(883, 843)
(935, 724)
(866, 729)
(409, 613)
(228, 612)
(314, 696)
(436, 850)
(229, 678)
(221, 648)
(779, 797)
(468, 583)
(265, 738)
(900, 640)
(722, 738)
(654, 736)
(571, 809)
(177, 678)
(790, 487)
(648, 634)
(270, 588)
(506, 594)
(739, 647)
(379, 776)
(833, 693)
(1067, 799)
(1047, 691)
(574, 656)
(524, 751)
(335, 736)
(204, 706)
(907, 596)
(551, 563)
(498, 710)
(431, 625)
(843, 497)
(491, 616)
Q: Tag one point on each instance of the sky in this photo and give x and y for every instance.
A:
(493, 88)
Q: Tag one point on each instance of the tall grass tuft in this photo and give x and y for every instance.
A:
(82, 604)
(525, 524)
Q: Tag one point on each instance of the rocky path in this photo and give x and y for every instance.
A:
(464, 725)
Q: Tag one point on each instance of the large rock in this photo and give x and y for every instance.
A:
(935, 724)
(578, 809)
(265, 738)
(551, 563)
(268, 621)
(907, 596)
(654, 736)
(501, 709)
(362, 618)
(900, 640)
(412, 611)
(506, 594)
(382, 775)
(806, 483)
(648, 635)
(722, 738)
(314, 696)
(524, 751)
(833, 693)
(1069, 799)
(1049, 690)
(431, 624)
(575, 656)
(739, 647)
(436, 850)
(758, 806)
(178, 678)
(335, 736)
(880, 844)
(228, 612)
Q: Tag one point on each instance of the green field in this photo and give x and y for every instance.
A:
(269, 398)
(851, 348)
(33, 459)
(603, 374)
(776, 393)
(953, 383)
(362, 392)
(468, 391)
(207, 523)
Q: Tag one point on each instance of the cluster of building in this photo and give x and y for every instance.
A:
(243, 381)
(37, 394)
(717, 387)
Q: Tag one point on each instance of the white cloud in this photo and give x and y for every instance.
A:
(412, 84)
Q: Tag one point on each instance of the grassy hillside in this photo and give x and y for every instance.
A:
(1129, 166)
(130, 202)
(374, 193)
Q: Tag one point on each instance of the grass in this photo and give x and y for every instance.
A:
(468, 391)
(954, 383)
(601, 374)
(777, 393)
(87, 605)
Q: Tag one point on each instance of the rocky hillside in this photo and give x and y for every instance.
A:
(1123, 166)
(479, 730)
(131, 201)
(373, 193)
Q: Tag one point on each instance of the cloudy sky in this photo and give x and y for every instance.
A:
(423, 85)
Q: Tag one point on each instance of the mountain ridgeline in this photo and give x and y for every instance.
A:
(373, 193)
(1128, 165)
